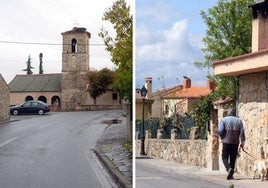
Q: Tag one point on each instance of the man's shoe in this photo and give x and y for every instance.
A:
(230, 174)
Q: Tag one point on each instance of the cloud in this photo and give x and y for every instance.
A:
(173, 47)
(145, 36)
(172, 44)
(170, 57)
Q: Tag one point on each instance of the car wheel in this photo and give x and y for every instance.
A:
(15, 112)
(41, 112)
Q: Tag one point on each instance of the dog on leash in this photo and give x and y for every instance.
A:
(260, 166)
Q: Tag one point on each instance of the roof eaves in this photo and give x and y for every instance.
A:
(236, 58)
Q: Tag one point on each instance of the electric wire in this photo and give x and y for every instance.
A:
(45, 43)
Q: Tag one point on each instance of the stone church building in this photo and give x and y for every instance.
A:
(67, 90)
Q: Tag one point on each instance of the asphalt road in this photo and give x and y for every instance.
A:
(53, 150)
(147, 177)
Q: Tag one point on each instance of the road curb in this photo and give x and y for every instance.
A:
(8, 121)
(122, 180)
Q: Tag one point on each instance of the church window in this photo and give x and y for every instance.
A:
(74, 46)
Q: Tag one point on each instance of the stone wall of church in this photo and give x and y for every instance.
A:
(74, 89)
(75, 61)
(4, 100)
(17, 98)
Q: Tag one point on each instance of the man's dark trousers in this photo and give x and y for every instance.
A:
(229, 151)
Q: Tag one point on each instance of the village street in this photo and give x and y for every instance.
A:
(154, 173)
(53, 150)
(150, 177)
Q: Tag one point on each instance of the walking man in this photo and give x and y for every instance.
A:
(231, 132)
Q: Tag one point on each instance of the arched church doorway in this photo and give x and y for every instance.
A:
(55, 101)
(42, 98)
(29, 98)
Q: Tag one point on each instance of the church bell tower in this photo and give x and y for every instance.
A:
(75, 64)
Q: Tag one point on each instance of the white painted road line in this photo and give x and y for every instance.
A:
(8, 141)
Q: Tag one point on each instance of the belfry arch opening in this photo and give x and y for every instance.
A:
(74, 45)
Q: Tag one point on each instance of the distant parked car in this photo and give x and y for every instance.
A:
(30, 107)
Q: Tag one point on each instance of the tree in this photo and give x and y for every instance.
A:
(29, 67)
(228, 34)
(41, 71)
(99, 82)
(120, 47)
(202, 111)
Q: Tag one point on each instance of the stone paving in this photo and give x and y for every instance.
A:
(111, 145)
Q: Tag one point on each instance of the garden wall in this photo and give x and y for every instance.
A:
(182, 151)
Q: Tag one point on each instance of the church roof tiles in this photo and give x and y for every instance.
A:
(36, 83)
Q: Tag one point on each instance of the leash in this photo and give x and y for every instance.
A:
(247, 152)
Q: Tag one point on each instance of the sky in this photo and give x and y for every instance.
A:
(33, 21)
(168, 40)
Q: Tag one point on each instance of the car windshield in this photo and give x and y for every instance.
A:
(42, 102)
(35, 104)
(27, 104)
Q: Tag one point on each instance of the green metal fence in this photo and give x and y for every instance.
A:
(182, 123)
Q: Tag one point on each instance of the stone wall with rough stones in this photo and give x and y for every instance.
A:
(253, 110)
(4, 100)
(182, 151)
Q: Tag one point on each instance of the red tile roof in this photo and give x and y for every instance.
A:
(192, 92)
(166, 91)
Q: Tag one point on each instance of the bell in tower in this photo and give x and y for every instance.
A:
(75, 53)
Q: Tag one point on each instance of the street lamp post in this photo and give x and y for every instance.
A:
(143, 92)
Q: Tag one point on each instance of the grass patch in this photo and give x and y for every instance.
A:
(128, 145)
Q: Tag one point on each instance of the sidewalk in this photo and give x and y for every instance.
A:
(239, 181)
(116, 159)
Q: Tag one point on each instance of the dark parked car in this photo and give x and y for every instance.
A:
(30, 107)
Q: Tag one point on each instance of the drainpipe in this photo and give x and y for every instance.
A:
(266, 84)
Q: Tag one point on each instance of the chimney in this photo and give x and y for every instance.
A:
(186, 82)
(211, 85)
(259, 26)
(148, 85)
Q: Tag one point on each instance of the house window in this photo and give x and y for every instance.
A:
(114, 96)
(166, 109)
(74, 46)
